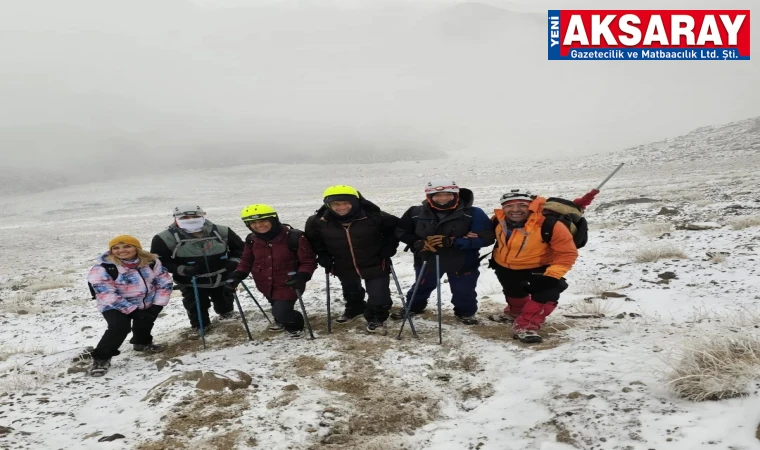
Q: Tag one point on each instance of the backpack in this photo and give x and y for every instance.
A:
(294, 235)
(113, 272)
(571, 215)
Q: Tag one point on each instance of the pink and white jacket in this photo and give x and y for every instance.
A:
(138, 288)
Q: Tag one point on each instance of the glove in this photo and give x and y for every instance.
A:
(388, 251)
(298, 281)
(152, 312)
(440, 241)
(543, 283)
(325, 260)
(423, 246)
(188, 271)
(230, 285)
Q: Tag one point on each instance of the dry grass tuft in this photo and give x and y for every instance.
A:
(741, 223)
(714, 367)
(593, 307)
(657, 252)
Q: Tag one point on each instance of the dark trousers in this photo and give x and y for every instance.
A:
(378, 291)
(138, 322)
(223, 303)
(462, 285)
(286, 314)
(516, 284)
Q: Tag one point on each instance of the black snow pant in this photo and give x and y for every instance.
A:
(516, 284)
(378, 291)
(223, 302)
(139, 322)
(286, 314)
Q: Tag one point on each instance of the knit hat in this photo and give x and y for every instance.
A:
(124, 239)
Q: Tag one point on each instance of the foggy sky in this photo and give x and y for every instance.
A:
(172, 83)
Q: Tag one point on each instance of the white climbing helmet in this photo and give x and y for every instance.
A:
(441, 185)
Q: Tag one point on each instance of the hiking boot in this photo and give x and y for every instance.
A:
(227, 316)
(468, 320)
(502, 318)
(295, 334)
(150, 348)
(276, 327)
(376, 327)
(399, 315)
(99, 367)
(345, 318)
(84, 354)
(528, 337)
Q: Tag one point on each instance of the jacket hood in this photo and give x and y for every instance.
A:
(466, 199)
(104, 258)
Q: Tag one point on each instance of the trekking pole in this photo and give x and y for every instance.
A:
(245, 322)
(609, 176)
(411, 299)
(438, 286)
(254, 301)
(327, 290)
(303, 308)
(198, 305)
(401, 296)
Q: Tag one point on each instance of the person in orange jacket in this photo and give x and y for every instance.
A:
(530, 271)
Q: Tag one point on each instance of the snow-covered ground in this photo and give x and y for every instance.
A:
(594, 383)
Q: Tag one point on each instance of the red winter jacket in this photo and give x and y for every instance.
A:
(270, 261)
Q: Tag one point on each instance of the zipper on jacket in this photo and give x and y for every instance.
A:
(147, 289)
(351, 248)
(525, 241)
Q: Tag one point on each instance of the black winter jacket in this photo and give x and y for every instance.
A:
(361, 247)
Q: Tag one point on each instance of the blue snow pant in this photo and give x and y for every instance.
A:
(462, 285)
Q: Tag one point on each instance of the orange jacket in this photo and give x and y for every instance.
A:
(526, 250)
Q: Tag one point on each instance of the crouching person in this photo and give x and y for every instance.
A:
(271, 252)
(131, 287)
(530, 271)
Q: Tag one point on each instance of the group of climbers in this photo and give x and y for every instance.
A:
(352, 239)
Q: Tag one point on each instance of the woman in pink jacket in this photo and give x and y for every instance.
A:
(131, 287)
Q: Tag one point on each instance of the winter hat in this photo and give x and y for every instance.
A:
(124, 239)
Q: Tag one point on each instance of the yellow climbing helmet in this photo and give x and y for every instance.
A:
(339, 189)
(257, 212)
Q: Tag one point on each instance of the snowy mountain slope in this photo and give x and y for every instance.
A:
(594, 383)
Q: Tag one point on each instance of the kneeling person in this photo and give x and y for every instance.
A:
(271, 252)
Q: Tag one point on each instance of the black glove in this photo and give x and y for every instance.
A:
(325, 260)
(540, 283)
(188, 271)
(388, 251)
(152, 312)
(230, 285)
(298, 281)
